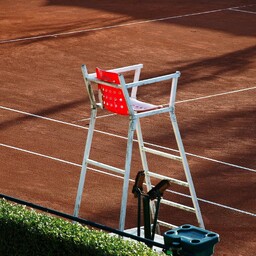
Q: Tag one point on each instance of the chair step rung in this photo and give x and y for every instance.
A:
(106, 166)
(175, 181)
(166, 224)
(177, 205)
(161, 153)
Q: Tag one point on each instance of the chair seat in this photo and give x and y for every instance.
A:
(140, 106)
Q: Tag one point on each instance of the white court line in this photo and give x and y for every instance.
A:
(5, 41)
(216, 95)
(122, 137)
(238, 10)
(188, 100)
(42, 117)
(204, 158)
(120, 177)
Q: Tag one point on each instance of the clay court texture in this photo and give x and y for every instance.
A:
(45, 109)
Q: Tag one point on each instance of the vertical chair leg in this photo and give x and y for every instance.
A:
(145, 167)
(85, 158)
(128, 159)
(186, 169)
(143, 155)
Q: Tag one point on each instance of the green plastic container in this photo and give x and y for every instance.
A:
(188, 240)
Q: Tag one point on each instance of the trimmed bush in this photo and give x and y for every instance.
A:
(23, 231)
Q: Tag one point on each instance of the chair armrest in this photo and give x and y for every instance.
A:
(174, 77)
(137, 68)
(127, 69)
(153, 80)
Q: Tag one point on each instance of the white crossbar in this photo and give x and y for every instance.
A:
(127, 69)
(161, 153)
(121, 70)
(105, 166)
(153, 112)
(153, 80)
(166, 224)
(97, 81)
(177, 205)
(175, 181)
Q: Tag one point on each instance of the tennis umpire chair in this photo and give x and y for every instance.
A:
(114, 96)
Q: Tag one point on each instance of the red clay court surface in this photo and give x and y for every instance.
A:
(45, 109)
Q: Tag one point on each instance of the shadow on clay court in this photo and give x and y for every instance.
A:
(173, 9)
(43, 112)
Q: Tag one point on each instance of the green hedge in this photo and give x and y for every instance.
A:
(23, 231)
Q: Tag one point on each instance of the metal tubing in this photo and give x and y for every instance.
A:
(144, 163)
(143, 155)
(175, 181)
(179, 206)
(134, 123)
(106, 166)
(186, 169)
(89, 87)
(84, 164)
(131, 130)
(122, 69)
(135, 79)
(153, 80)
(153, 112)
(161, 153)
(173, 92)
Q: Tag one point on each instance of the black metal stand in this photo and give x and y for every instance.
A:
(150, 232)
(137, 191)
(155, 193)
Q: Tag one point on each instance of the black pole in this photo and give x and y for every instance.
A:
(155, 217)
(139, 213)
(137, 190)
(147, 222)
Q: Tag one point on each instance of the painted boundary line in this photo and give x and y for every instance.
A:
(117, 176)
(6, 41)
(122, 137)
(238, 10)
(216, 95)
(188, 100)
(205, 158)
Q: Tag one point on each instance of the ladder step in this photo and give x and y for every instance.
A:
(106, 166)
(166, 224)
(179, 206)
(161, 153)
(121, 171)
(161, 177)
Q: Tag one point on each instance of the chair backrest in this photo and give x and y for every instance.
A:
(112, 98)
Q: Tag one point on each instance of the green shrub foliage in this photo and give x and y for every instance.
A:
(23, 231)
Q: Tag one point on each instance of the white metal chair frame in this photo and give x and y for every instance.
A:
(134, 124)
